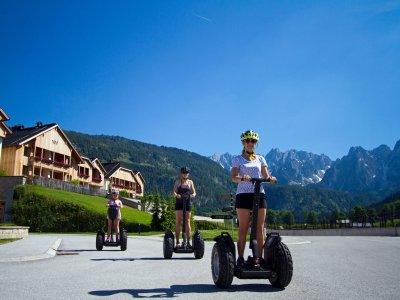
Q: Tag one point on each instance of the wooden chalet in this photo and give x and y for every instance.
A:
(91, 173)
(120, 178)
(42, 150)
(44, 154)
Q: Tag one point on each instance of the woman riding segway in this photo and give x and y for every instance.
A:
(244, 167)
(183, 192)
(114, 202)
(183, 187)
(250, 171)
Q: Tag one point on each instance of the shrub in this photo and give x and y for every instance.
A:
(19, 192)
(45, 215)
(124, 193)
(75, 181)
(206, 225)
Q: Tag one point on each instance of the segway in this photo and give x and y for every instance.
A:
(123, 234)
(277, 265)
(197, 246)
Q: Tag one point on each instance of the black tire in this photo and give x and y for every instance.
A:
(198, 244)
(99, 241)
(282, 265)
(123, 237)
(168, 247)
(222, 265)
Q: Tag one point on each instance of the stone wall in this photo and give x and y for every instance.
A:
(13, 232)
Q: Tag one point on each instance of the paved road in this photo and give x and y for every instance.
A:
(324, 268)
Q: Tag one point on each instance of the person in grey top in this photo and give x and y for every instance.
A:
(244, 167)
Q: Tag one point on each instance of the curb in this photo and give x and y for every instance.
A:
(51, 252)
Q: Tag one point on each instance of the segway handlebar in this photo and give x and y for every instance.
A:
(261, 180)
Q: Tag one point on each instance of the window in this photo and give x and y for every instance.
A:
(25, 170)
(26, 151)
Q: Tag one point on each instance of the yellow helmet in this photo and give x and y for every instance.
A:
(249, 134)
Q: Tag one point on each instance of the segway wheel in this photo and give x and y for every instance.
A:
(222, 265)
(198, 245)
(99, 241)
(282, 265)
(168, 247)
(123, 237)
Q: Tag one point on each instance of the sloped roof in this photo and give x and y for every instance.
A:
(89, 161)
(111, 168)
(94, 159)
(22, 136)
(3, 118)
(4, 115)
(137, 173)
(17, 138)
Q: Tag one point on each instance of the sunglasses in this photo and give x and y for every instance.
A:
(185, 172)
(250, 141)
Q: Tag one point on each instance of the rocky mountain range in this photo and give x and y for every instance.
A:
(362, 171)
(359, 172)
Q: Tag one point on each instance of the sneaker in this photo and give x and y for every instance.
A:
(262, 262)
(240, 261)
(108, 239)
(251, 261)
(189, 245)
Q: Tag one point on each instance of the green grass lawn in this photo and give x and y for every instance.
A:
(93, 203)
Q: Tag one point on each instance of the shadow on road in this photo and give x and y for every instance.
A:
(176, 290)
(142, 258)
(87, 250)
(113, 259)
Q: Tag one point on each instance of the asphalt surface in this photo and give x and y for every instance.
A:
(324, 268)
(34, 247)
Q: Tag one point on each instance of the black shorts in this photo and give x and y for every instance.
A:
(179, 205)
(245, 200)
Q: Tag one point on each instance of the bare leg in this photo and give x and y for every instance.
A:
(244, 222)
(178, 218)
(188, 229)
(109, 228)
(260, 229)
(116, 228)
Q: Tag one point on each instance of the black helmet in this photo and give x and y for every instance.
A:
(185, 170)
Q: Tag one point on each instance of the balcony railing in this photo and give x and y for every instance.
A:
(47, 160)
(97, 179)
(83, 175)
(58, 163)
(121, 186)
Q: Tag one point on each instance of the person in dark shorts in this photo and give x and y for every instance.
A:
(183, 186)
(244, 167)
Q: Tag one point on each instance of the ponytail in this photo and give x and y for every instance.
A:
(251, 154)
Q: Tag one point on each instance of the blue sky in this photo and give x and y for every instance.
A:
(319, 76)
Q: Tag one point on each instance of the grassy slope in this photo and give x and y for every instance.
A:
(92, 203)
